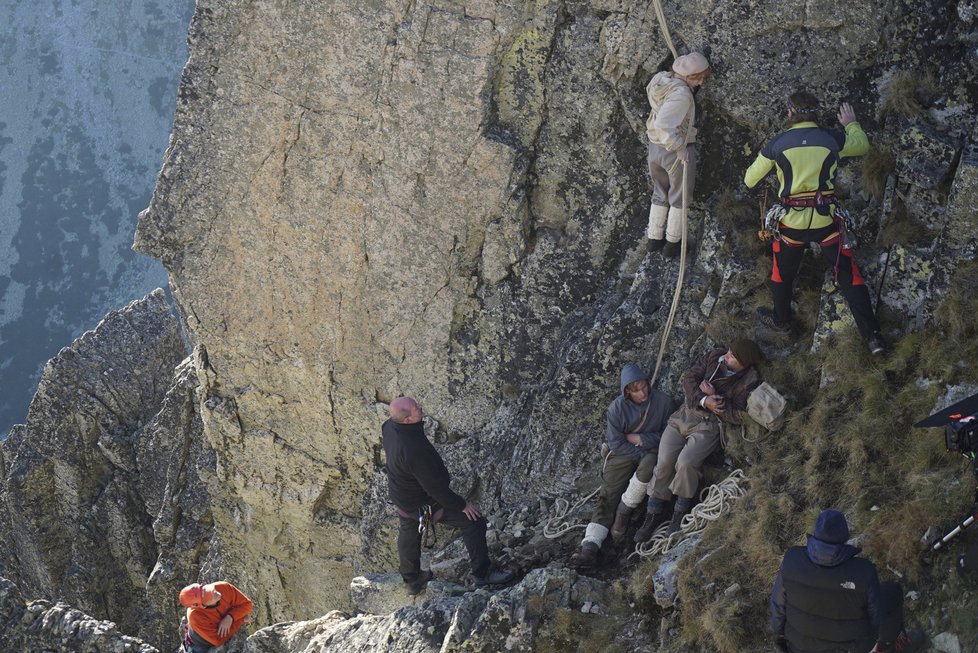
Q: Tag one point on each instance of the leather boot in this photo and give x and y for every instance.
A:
(653, 245)
(653, 520)
(677, 520)
(587, 556)
(622, 516)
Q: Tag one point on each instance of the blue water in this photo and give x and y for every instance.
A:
(87, 93)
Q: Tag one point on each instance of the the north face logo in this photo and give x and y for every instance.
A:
(849, 585)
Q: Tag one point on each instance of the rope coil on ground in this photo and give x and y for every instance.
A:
(559, 524)
(718, 500)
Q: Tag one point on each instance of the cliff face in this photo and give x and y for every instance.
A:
(367, 199)
(101, 504)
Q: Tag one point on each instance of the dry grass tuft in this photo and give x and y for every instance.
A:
(901, 229)
(909, 92)
(849, 445)
(877, 166)
(958, 314)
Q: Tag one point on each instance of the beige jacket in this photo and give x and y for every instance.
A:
(670, 123)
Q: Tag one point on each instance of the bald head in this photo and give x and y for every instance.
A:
(405, 410)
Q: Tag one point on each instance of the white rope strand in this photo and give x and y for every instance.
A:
(661, 15)
(559, 524)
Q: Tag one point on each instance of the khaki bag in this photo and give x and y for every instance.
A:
(767, 407)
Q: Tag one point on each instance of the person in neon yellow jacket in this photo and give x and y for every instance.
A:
(806, 158)
(671, 146)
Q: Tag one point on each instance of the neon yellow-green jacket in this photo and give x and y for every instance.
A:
(806, 157)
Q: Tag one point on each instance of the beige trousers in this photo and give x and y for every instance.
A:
(689, 438)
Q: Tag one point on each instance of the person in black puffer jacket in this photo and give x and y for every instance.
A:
(825, 599)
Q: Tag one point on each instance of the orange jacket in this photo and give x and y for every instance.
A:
(204, 621)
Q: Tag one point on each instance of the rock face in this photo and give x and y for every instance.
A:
(551, 609)
(100, 486)
(367, 199)
(43, 626)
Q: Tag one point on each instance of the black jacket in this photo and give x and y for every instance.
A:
(825, 599)
(416, 474)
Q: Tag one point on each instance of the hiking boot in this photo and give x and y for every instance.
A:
(587, 556)
(677, 520)
(671, 250)
(907, 642)
(417, 586)
(767, 318)
(495, 577)
(622, 517)
(652, 522)
(653, 245)
(876, 344)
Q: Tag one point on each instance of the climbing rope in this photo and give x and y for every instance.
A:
(677, 293)
(661, 15)
(558, 524)
(717, 503)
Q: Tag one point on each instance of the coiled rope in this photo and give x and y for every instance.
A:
(718, 500)
(558, 524)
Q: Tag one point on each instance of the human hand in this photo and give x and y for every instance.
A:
(471, 511)
(224, 627)
(248, 619)
(706, 387)
(846, 114)
(633, 438)
(715, 404)
(684, 155)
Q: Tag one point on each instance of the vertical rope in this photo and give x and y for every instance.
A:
(664, 27)
(679, 286)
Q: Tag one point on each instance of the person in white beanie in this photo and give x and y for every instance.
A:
(671, 146)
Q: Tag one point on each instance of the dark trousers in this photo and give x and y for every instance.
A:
(473, 536)
(891, 612)
(787, 261)
(614, 480)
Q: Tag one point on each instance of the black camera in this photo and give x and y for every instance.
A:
(960, 422)
(961, 436)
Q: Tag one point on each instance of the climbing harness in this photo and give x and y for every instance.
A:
(426, 527)
(717, 502)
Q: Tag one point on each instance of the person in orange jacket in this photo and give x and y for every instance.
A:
(215, 612)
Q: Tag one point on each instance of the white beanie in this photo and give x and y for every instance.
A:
(690, 64)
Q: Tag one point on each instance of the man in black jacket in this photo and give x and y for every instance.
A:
(825, 599)
(421, 492)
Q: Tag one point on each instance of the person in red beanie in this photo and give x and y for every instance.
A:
(215, 612)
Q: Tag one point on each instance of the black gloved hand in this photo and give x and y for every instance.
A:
(782, 645)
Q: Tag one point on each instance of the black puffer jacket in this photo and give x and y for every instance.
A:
(825, 599)
(416, 474)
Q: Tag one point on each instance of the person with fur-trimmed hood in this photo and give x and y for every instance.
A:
(825, 598)
(671, 147)
(716, 390)
(635, 420)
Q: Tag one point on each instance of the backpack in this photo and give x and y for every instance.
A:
(767, 406)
